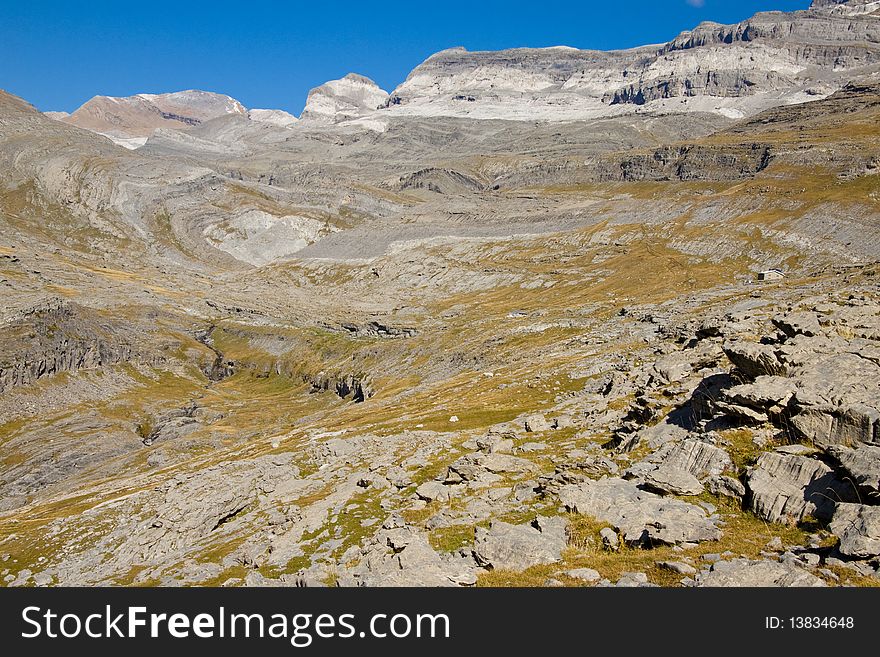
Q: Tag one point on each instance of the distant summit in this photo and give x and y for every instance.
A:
(351, 97)
(131, 120)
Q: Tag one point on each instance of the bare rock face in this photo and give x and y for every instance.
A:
(862, 465)
(517, 547)
(837, 401)
(56, 337)
(642, 518)
(697, 457)
(745, 573)
(858, 528)
(786, 488)
(728, 69)
(351, 97)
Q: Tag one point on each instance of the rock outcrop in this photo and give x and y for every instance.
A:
(858, 528)
(643, 518)
(516, 547)
(787, 488)
(764, 573)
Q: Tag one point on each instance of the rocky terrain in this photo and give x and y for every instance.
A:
(536, 317)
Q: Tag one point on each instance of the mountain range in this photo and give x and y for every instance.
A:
(734, 71)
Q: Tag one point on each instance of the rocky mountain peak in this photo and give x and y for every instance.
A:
(351, 97)
(130, 120)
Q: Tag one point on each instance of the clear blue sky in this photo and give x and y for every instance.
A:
(57, 55)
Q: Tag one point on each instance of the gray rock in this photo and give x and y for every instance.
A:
(798, 323)
(398, 477)
(633, 580)
(754, 360)
(43, 579)
(584, 574)
(643, 518)
(826, 424)
(497, 442)
(506, 464)
(673, 481)
(858, 528)
(674, 367)
(433, 490)
(786, 488)
(697, 457)
(518, 547)
(726, 487)
(404, 557)
(610, 539)
(532, 447)
(677, 567)
(536, 423)
(775, 544)
(797, 450)
(767, 397)
(862, 465)
(837, 401)
(746, 573)
(659, 434)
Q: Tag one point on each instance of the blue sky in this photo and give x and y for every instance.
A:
(57, 55)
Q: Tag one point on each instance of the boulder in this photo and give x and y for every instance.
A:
(504, 463)
(610, 539)
(697, 457)
(763, 573)
(677, 567)
(496, 441)
(862, 465)
(584, 574)
(670, 480)
(516, 547)
(433, 490)
(754, 360)
(858, 528)
(536, 423)
(786, 488)
(657, 434)
(674, 367)
(726, 486)
(828, 424)
(766, 398)
(837, 401)
(643, 518)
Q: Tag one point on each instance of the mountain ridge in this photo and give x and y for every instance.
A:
(737, 70)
